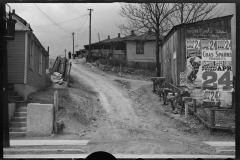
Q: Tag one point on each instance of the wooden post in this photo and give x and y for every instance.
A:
(186, 109)
(4, 78)
(154, 85)
(68, 77)
(186, 100)
(55, 111)
(212, 118)
(194, 106)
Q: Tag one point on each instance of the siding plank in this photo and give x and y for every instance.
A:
(16, 52)
(33, 77)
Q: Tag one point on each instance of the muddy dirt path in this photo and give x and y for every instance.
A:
(116, 103)
(131, 124)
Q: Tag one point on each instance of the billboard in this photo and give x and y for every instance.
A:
(208, 60)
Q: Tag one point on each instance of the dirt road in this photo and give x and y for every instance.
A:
(134, 120)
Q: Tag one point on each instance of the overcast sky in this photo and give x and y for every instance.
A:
(75, 16)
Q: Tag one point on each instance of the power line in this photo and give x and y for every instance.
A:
(82, 32)
(69, 45)
(99, 28)
(95, 30)
(80, 28)
(46, 33)
(82, 5)
(82, 25)
(50, 19)
(73, 6)
(72, 9)
(59, 39)
(61, 43)
(62, 22)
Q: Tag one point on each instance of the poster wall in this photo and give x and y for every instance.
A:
(217, 67)
(194, 60)
(209, 61)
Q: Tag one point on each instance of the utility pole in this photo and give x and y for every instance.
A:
(65, 52)
(89, 53)
(73, 45)
(4, 76)
(98, 37)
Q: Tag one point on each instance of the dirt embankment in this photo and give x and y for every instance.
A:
(78, 107)
(121, 115)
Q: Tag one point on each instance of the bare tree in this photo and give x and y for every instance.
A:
(193, 12)
(141, 17)
(161, 17)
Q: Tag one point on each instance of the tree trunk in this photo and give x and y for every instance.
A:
(181, 13)
(157, 55)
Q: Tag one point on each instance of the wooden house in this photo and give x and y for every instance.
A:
(141, 48)
(198, 56)
(114, 47)
(27, 59)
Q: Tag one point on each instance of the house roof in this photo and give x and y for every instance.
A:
(22, 25)
(148, 36)
(106, 41)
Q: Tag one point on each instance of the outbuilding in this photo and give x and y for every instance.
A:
(198, 56)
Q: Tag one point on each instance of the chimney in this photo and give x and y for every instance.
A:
(108, 37)
(13, 11)
(150, 30)
(132, 32)
(118, 34)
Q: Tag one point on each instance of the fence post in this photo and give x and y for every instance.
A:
(55, 111)
(212, 118)
(68, 77)
(194, 106)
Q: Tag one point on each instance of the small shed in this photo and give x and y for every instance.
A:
(198, 56)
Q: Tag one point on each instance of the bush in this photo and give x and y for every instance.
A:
(131, 64)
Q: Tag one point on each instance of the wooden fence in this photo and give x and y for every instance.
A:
(131, 64)
(62, 66)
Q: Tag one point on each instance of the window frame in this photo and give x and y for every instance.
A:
(139, 47)
(40, 61)
(32, 49)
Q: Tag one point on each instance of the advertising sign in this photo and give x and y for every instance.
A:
(217, 69)
(211, 96)
(194, 68)
(209, 64)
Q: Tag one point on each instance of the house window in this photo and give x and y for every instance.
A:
(140, 47)
(40, 62)
(31, 54)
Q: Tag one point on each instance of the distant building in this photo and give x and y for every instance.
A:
(81, 53)
(114, 47)
(131, 48)
(141, 48)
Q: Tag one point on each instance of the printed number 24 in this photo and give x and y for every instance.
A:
(196, 44)
(223, 80)
(214, 96)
